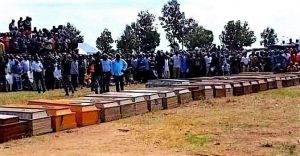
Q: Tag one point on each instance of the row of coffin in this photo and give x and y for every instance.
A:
(44, 116)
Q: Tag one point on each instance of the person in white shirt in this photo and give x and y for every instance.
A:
(57, 75)
(166, 68)
(38, 75)
(207, 59)
(245, 61)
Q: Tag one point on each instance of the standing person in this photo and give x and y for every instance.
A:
(117, 69)
(245, 61)
(49, 69)
(160, 62)
(74, 73)
(82, 67)
(38, 76)
(176, 65)
(207, 60)
(141, 67)
(106, 67)
(97, 76)
(2, 75)
(166, 68)
(66, 74)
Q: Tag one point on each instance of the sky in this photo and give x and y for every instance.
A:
(92, 16)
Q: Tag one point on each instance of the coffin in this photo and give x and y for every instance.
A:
(110, 109)
(140, 104)
(169, 98)
(184, 95)
(165, 82)
(238, 89)
(247, 87)
(62, 118)
(203, 91)
(127, 106)
(37, 120)
(263, 86)
(12, 128)
(271, 83)
(86, 112)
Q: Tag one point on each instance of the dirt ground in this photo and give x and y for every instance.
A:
(266, 123)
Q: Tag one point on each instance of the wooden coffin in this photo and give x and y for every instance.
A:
(271, 83)
(139, 99)
(110, 109)
(263, 86)
(184, 94)
(247, 87)
(165, 82)
(86, 112)
(127, 106)
(37, 120)
(238, 89)
(11, 128)
(204, 92)
(278, 82)
(218, 88)
(169, 98)
(62, 118)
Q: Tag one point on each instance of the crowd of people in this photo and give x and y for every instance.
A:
(21, 38)
(44, 60)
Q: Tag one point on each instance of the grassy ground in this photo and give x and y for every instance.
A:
(266, 123)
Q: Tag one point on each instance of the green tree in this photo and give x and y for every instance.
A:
(141, 35)
(74, 35)
(237, 35)
(198, 37)
(269, 37)
(173, 22)
(147, 34)
(128, 42)
(104, 41)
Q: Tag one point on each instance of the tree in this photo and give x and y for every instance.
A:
(269, 37)
(128, 41)
(104, 41)
(173, 21)
(147, 34)
(198, 37)
(74, 35)
(237, 35)
(141, 35)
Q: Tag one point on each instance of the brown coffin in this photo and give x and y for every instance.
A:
(37, 120)
(263, 86)
(140, 105)
(271, 83)
(86, 112)
(167, 97)
(165, 82)
(183, 94)
(127, 106)
(62, 118)
(11, 128)
(204, 91)
(109, 108)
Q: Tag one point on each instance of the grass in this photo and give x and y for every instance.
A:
(198, 140)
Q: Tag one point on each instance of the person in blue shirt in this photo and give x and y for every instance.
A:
(118, 66)
(106, 67)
